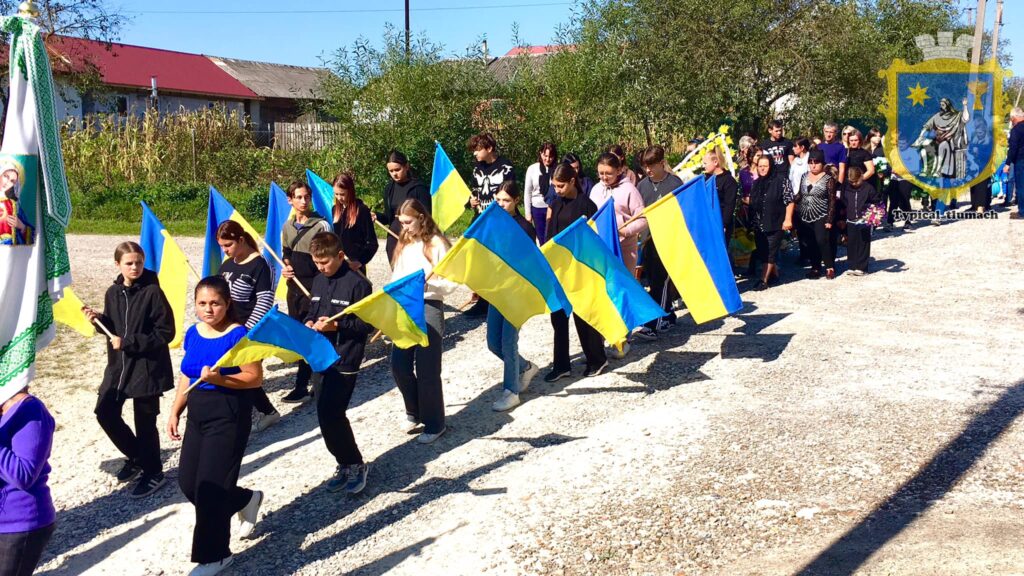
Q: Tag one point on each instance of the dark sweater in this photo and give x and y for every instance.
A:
(395, 194)
(857, 199)
(728, 189)
(359, 241)
(332, 294)
(141, 316)
(525, 225)
(768, 201)
(565, 211)
(1015, 153)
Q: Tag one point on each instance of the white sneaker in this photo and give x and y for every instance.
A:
(264, 421)
(527, 376)
(211, 568)
(428, 438)
(508, 401)
(249, 515)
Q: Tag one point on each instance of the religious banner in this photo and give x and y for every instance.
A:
(34, 209)
(946, 117)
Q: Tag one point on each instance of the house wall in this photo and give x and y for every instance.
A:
(69, 104)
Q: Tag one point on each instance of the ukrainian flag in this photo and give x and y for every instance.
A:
(497, 259)
(448, 192)
(686, 225)
(220, 211)
(168, 261)
(277, 334)
(68, 311)
(278, 211)
(607, 227)
(397, 311)
(603, 293)
(323, 195)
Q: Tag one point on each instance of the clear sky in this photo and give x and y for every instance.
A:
(300, 32)
(303, 31)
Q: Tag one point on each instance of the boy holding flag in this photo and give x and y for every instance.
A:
(335, 289)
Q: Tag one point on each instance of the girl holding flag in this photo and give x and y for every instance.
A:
(353, 223)
(136, 311)
(417, 370)
(252, 282)
(219, 421)
(404, 186)
(628, 204)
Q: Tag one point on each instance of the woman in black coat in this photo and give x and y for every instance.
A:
(136, 311)
(403, 186)
(771, 212)
(353, 223)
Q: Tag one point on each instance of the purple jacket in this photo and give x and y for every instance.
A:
(26, 434)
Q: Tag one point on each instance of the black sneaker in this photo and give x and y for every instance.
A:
(129, 471)
(595, 371)
(295, 396)
(148, 484)
(556, 375)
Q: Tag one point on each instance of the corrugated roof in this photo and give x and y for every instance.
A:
(132, 66)
(275, 80)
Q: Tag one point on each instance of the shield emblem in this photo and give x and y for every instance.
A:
(948, 122)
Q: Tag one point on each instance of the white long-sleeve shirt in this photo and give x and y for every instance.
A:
(533, 196)
(412, 259)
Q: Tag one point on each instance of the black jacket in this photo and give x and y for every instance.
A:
(564, 212)
(141, 316)
(332, 295)
(359, 241)
(727, 189)
(769, 198)
(857, 199)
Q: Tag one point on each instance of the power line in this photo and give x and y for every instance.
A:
(350, 11)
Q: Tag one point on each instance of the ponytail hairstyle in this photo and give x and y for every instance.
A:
(346, 183)
(396, 157)
(565, 173)
(219, 285)
(231, 230)
(128, 248)
(610, 159)
(426, 233)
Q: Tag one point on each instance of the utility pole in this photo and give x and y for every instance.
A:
(979, 32)
(995, 33)
(407, 31)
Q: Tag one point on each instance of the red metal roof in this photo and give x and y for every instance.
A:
(537, 50)
(132, 66)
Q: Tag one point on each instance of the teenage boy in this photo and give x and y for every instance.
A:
(658, 183)
(299, 230)
(489, 172)
(778, 148)
(335, 289)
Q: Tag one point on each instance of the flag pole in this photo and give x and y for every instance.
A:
(281, 262)
(103, 328)
(386, 229)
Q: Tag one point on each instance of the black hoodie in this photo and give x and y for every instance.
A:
(141, 316)
(332, 294)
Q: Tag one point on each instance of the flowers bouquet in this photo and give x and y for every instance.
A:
(873, 215)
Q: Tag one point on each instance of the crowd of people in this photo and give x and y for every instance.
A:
(825, 192)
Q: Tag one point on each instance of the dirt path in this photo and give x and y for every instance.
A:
(865, 425)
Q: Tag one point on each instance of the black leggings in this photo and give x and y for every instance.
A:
(20, 551)
(590, 340)
(817, 243)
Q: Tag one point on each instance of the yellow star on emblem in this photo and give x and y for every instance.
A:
(918, 95)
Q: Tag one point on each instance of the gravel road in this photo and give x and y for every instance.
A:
(862, 425)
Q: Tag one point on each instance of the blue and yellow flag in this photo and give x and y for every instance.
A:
(279, 335)
(323, 195)
(607, 227)
(278, 210)
(448, 192)
(168, 261)
(497, 259)
(686, 226)
(220, 211)
(603, 293)
(397, 311)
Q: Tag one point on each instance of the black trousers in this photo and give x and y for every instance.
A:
(981, 195)
(20, 551)
(900, 192)
(661, 286)
(332, 398)
(211, 456)
(142, 446)
(817, 241)
(298, 307)
(417, 372)
(858, 246)
(261, 402)
(590, 340)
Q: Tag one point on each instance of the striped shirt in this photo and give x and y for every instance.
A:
(252, 287)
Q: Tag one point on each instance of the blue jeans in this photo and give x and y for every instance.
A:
(503, 341)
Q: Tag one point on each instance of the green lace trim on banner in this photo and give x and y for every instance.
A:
(19, 354)
(57, 262)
